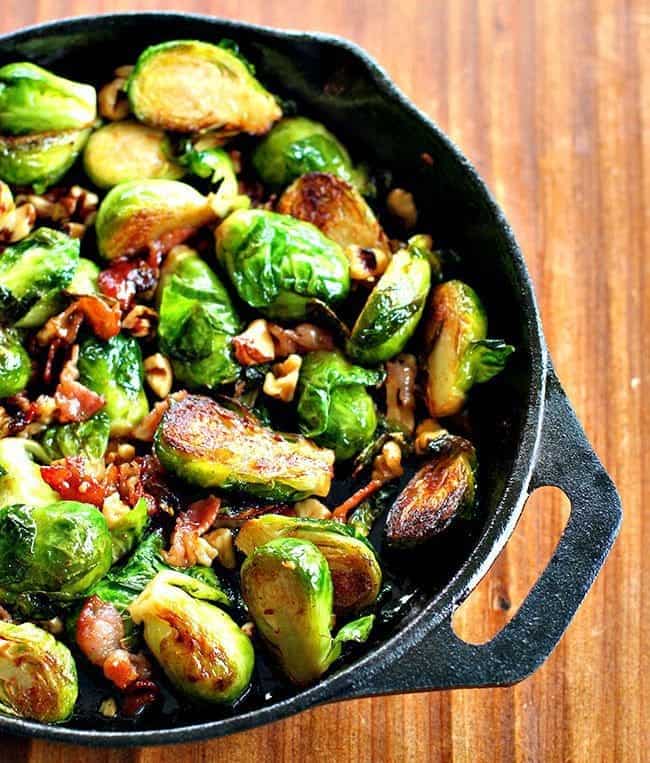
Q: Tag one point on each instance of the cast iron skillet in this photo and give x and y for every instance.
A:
(526, 431)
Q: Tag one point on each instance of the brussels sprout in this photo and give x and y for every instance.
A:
(202, 650)
(121, 151)
(123, 583)
(135, 215)
(356, 574)
(216, 164)
(85, 279)
(127, 531)
(20, 476)
(34, 269)
(38, 677)
(393, 309)
(15, 365)
(114, 369)
(40, 160)
(197, 321)
(84, 438)
(440, 491)
(59, 550)
(211, 446)
(296, 146)
(458, 353)
(336, 208)
(287, 586)
(33, 100)
(190, 86)
(333, 406)
(281, 265)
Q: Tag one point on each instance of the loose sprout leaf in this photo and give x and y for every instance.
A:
(15, 364)
(84, 438)
(357, 630)
(487, 358)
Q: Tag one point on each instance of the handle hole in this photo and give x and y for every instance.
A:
(497, 598)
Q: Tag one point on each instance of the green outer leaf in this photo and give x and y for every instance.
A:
(393, 309)
(114, 369)
(84, 438)
(15, 364)
(41, 264)
(34, 100)
(216, 164)
(128, 530)
(279, 264)
(21, 481)
(486, 358)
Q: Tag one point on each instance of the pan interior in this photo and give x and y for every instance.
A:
(332, 83)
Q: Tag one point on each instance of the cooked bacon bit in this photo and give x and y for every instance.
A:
(282, 380)
(141, 322)
(341, 512)
(400, 391)
(146, 429)
(127, 277)
(186, 548)
(255, 345)
(101, 313)
(301, 339)
(74, 402)
(71, 480)
(99, 635)
(140, 693)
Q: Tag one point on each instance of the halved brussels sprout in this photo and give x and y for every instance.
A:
(15, 365)
(216, 164)
(38, 676)
(135, 215)
(280, 265)
(121, 151)
(353, 564)
(334, 408)
(287, 586)
(197, 321)
(114, 370)
(35, 269)
(33, 100)
(190, 86)
(440, 491)
(296, 146)
(202, 650)
(59, 550)
(208, 445)
(393, 309)
(83, 438)
(20, 475)
(458, 353)
(40, 160)
(336, 208)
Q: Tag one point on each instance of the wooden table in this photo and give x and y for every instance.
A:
(551, 100)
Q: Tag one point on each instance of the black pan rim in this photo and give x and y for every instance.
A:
(496, 532)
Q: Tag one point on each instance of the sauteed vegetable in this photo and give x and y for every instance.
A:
(231, 387)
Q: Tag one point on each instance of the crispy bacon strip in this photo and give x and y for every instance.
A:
(68, 476)
(190, 525)
(74, 402)
(340, 513)
(102, 314)
(127, 277)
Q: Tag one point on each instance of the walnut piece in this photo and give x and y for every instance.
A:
(282, 380)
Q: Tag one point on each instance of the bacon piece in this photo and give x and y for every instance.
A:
(341, 512)
(190, 525)
(71, 481)
(102, 314)
(127, 277)
(74, 402)
(301, 339)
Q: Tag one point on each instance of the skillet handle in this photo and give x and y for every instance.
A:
(441, 660)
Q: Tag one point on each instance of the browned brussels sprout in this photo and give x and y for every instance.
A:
(458, 353)
(209, 445)
(443, 489)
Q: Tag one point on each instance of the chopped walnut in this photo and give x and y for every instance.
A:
(366, 264)
(221, 540)
(312, 508)
(282, 380)
(64, 205)
(427, 431)
(5, 423)
(112, 100)
(53, 626)
(400, 391)
(108, 707)
(158, 373)
(387, 465)
(15, 221)
(120, 452)
(141, 321)
(145, 430)
(301, 339)
(254, 345)
(401, 204)
(249, 629)
(114, 509)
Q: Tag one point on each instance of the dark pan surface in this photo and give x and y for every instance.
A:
(332, 80)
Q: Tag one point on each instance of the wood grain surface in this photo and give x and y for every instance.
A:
(551, 100)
